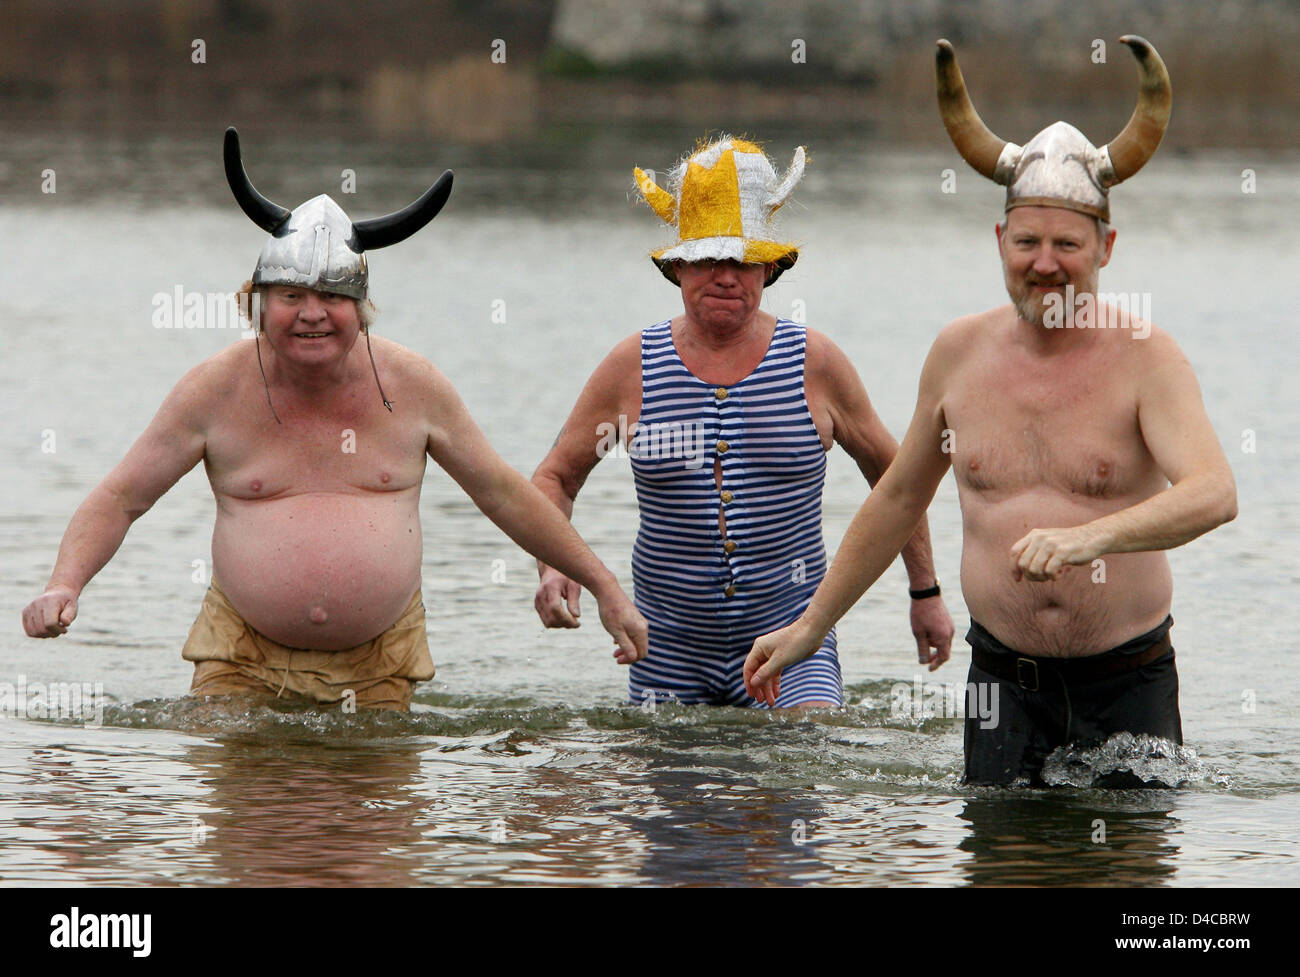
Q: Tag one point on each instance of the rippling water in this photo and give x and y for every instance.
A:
(520, 763)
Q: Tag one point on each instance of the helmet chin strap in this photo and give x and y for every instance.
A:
(382, 396)
(267, 387)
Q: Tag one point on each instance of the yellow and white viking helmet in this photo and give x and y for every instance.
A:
(720, 202)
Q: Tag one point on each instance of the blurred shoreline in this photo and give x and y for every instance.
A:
(508, 71)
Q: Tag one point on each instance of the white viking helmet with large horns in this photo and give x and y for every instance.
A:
(721, 204)
(1059, 167)
(317, 245)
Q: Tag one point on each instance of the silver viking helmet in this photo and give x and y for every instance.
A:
(1059, 167)
(316, 245)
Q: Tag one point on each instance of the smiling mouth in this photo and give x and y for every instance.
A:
(311, 335)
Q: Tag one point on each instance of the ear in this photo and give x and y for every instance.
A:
(659, 199)
(1107, 245)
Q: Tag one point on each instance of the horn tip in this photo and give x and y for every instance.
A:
(230, 149)
(1140, 45)
(944, 57)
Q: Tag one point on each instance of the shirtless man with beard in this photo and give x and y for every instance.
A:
(1079, 442)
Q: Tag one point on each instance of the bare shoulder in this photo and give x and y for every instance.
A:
(615, 383)
(623, 359)
(393, 355)
(1152, 346)
(821, 353)
(1159, 372)
(412, 373)
(222, 368)
(962, 339)
(211, 385)
(827, 367)
(968, 331)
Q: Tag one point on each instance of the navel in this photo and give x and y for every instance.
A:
(318, 615)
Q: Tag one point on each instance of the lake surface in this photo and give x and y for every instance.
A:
(520, 762)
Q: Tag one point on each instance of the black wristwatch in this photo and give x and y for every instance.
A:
(923, 594)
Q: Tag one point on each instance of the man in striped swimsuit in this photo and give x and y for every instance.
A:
(727, 414)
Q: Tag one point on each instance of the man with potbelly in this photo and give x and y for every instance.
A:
(317, 543)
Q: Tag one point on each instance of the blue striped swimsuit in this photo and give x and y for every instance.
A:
(707, 597)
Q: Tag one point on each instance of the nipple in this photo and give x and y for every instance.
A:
(385, 477)
(256, 486)
(318, 615)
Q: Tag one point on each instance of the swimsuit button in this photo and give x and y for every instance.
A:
(729, 546)
(730, 591)
(722, 447)
(727, 496)
(720, 393)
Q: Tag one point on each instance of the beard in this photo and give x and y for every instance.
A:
(1034, 307)
(1030, 306)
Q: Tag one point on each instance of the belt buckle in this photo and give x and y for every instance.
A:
(1021, 670)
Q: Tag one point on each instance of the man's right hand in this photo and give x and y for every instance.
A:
(773, 652)
(625, 624)
(50, 614)
(557, 600)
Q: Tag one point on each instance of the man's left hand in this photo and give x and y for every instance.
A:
(1044, 554)
(933, 629)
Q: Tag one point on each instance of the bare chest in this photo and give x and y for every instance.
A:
(1069, 427)
(351, 448)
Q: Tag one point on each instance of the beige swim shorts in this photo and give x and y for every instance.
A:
(230, 657)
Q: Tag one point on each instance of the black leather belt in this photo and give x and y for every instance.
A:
(1026, 671)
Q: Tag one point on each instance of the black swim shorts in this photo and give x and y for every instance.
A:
(1045, 703)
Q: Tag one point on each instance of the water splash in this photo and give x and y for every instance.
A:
(290, 720)
(1125, 760)
(442, 716)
